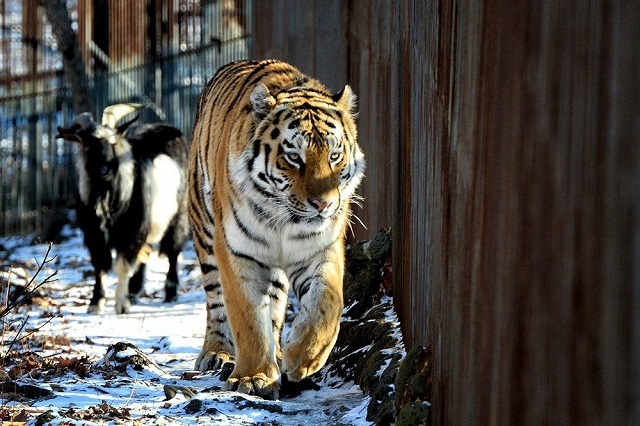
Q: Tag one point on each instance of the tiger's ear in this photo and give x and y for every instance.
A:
(346, 99)
(261, 100)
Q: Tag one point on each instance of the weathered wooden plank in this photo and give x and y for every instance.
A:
(510, 178)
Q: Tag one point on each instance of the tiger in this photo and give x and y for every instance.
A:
(274, 165)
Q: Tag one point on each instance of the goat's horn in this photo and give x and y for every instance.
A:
(113, 113)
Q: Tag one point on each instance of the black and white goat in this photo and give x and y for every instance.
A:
(132, 193)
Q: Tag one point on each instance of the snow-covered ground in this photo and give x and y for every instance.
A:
(91, 388)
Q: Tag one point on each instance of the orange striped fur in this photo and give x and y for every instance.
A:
(273, 167)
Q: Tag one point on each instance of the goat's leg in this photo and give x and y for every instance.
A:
(101, 260)
(171, 283)
(171, 246)
(125, 269)
(95, 240)
(135, 283)
(98, 300)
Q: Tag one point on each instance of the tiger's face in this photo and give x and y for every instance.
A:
(305, 155)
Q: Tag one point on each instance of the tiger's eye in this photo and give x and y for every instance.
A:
(293, 156)
(335, 156)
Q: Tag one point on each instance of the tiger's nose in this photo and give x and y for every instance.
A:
(319, 204)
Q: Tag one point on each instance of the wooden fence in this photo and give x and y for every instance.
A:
(503, 149)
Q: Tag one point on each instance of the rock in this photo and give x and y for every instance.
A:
(364, 272)
(414, 375)
(122, 355)
(381, 409)
(194, 406)
(420, 386)
(172, 390)
(366, 350)
(44, 418)
(29, 391)
(414, 413)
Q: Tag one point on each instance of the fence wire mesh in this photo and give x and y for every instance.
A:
(160, 53)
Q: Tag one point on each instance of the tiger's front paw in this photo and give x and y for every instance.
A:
(300, 361)
(258, 385)
(213, 361)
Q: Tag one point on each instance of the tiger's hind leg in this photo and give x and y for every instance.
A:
(218, 348)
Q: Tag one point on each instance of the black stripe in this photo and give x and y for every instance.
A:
(288, 115)
(280, 286)
(293, 277)
(250, 81)
(212, 287)
(261, 190)
(286, 143)
(249, 258)
(276, 118)
(244, 229)
(267, 152)
(305, 286)
(293, 124)
(206, 268)
(306, 236)
(307, 89)
(259, 213)
(244, 256)
(206, 232)
(256, 153)
(275, 180)
(215, 306)
(199, 242)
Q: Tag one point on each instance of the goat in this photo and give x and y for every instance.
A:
(131, 194)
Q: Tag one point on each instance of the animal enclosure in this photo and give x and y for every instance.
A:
(159, 53)
(502, 148)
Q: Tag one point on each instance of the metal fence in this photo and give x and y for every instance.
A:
(165, 66)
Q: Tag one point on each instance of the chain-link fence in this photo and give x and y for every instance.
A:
(160, 53)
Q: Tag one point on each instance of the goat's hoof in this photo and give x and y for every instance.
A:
(171, 299)
(97, 307)
(258, 385)
(170, 292)
(133, 298)
(123, 307)
(213, 361)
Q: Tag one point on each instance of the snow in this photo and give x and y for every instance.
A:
(170, 335)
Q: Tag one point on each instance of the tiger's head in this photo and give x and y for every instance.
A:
(304, 154)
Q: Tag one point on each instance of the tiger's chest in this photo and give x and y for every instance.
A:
(249, 232)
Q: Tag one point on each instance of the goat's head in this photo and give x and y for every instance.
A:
(86, 131)
(104, 148)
